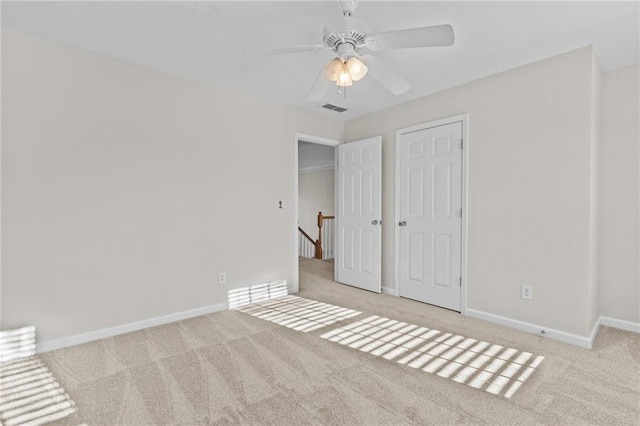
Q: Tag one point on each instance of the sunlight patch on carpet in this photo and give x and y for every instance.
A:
(18, 343)
(481, 365)
(257, 293)
(29, 394)
(298, 313)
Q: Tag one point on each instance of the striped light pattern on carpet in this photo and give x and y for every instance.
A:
(298, 313)
(29, 394)
(238, 297)
(481, 365)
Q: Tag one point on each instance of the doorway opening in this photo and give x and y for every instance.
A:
(315, 199)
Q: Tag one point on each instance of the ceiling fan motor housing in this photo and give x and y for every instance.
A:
(344, 44)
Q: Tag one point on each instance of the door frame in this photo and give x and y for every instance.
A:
(302, 137)
(464, 118)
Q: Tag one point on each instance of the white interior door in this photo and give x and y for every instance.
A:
(429, 163)
(358, 254)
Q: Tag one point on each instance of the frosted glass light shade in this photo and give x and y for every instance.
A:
(344, 78)
(356, 68)
(332, 69)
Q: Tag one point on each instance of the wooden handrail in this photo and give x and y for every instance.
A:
(306, 235)
(317, 243)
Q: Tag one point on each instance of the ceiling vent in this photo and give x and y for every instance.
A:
(335, 108)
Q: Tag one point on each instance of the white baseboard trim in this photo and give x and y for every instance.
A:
(562, 336)
(389, 291)
(621, 324)
(54, 344)
(594, 333)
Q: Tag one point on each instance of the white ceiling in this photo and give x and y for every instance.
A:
(204, 40)
(314, 156)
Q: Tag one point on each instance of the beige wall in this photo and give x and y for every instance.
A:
(594, 188)
(619, 208)
(529, 194)
(125, 191)
(315, 192)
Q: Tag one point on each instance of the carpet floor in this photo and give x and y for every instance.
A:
(235, 367)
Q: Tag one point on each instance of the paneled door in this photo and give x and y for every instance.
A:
(358, 254)
(429, 163)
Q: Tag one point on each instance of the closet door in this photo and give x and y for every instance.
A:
(429, 232)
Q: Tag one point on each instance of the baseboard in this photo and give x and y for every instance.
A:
(594, 333)
(54, 344)
(562, 336)
(389, 291)
(621, 324)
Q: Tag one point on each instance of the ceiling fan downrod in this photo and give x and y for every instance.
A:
(348, 7)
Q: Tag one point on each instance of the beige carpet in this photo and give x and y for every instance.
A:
(235, 368)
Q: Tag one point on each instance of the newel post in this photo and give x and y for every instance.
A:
(319, 240)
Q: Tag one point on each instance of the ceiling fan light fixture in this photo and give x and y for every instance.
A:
(344, 78)
(332, 69)
(357, 69)
(349, 36)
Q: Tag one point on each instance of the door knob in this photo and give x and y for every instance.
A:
(374, 222)
(403, 223)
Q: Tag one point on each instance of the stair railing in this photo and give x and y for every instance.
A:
(325, 236)
(306, 246)
(322, 247)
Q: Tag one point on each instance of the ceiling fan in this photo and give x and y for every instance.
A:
(350, 40)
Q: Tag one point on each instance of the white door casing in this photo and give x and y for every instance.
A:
(294, 285)
(429, 229)
(358, 215)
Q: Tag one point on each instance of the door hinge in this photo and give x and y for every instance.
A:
(460, 281)
(460, 212)
(461, 143)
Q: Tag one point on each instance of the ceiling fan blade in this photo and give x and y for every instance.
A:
(357, 25)
(385, 75)
(436, 36)
(337, 21)
(320, 86)
(285, 50)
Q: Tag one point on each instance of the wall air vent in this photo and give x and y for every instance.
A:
(335, 108)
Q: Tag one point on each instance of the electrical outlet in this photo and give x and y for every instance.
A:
(222, 277)
(527, 292)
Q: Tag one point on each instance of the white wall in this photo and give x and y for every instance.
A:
(530, 192)
(122, 194)
(619, 186)
(315, 192)
(125, 190)
(594, 197)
